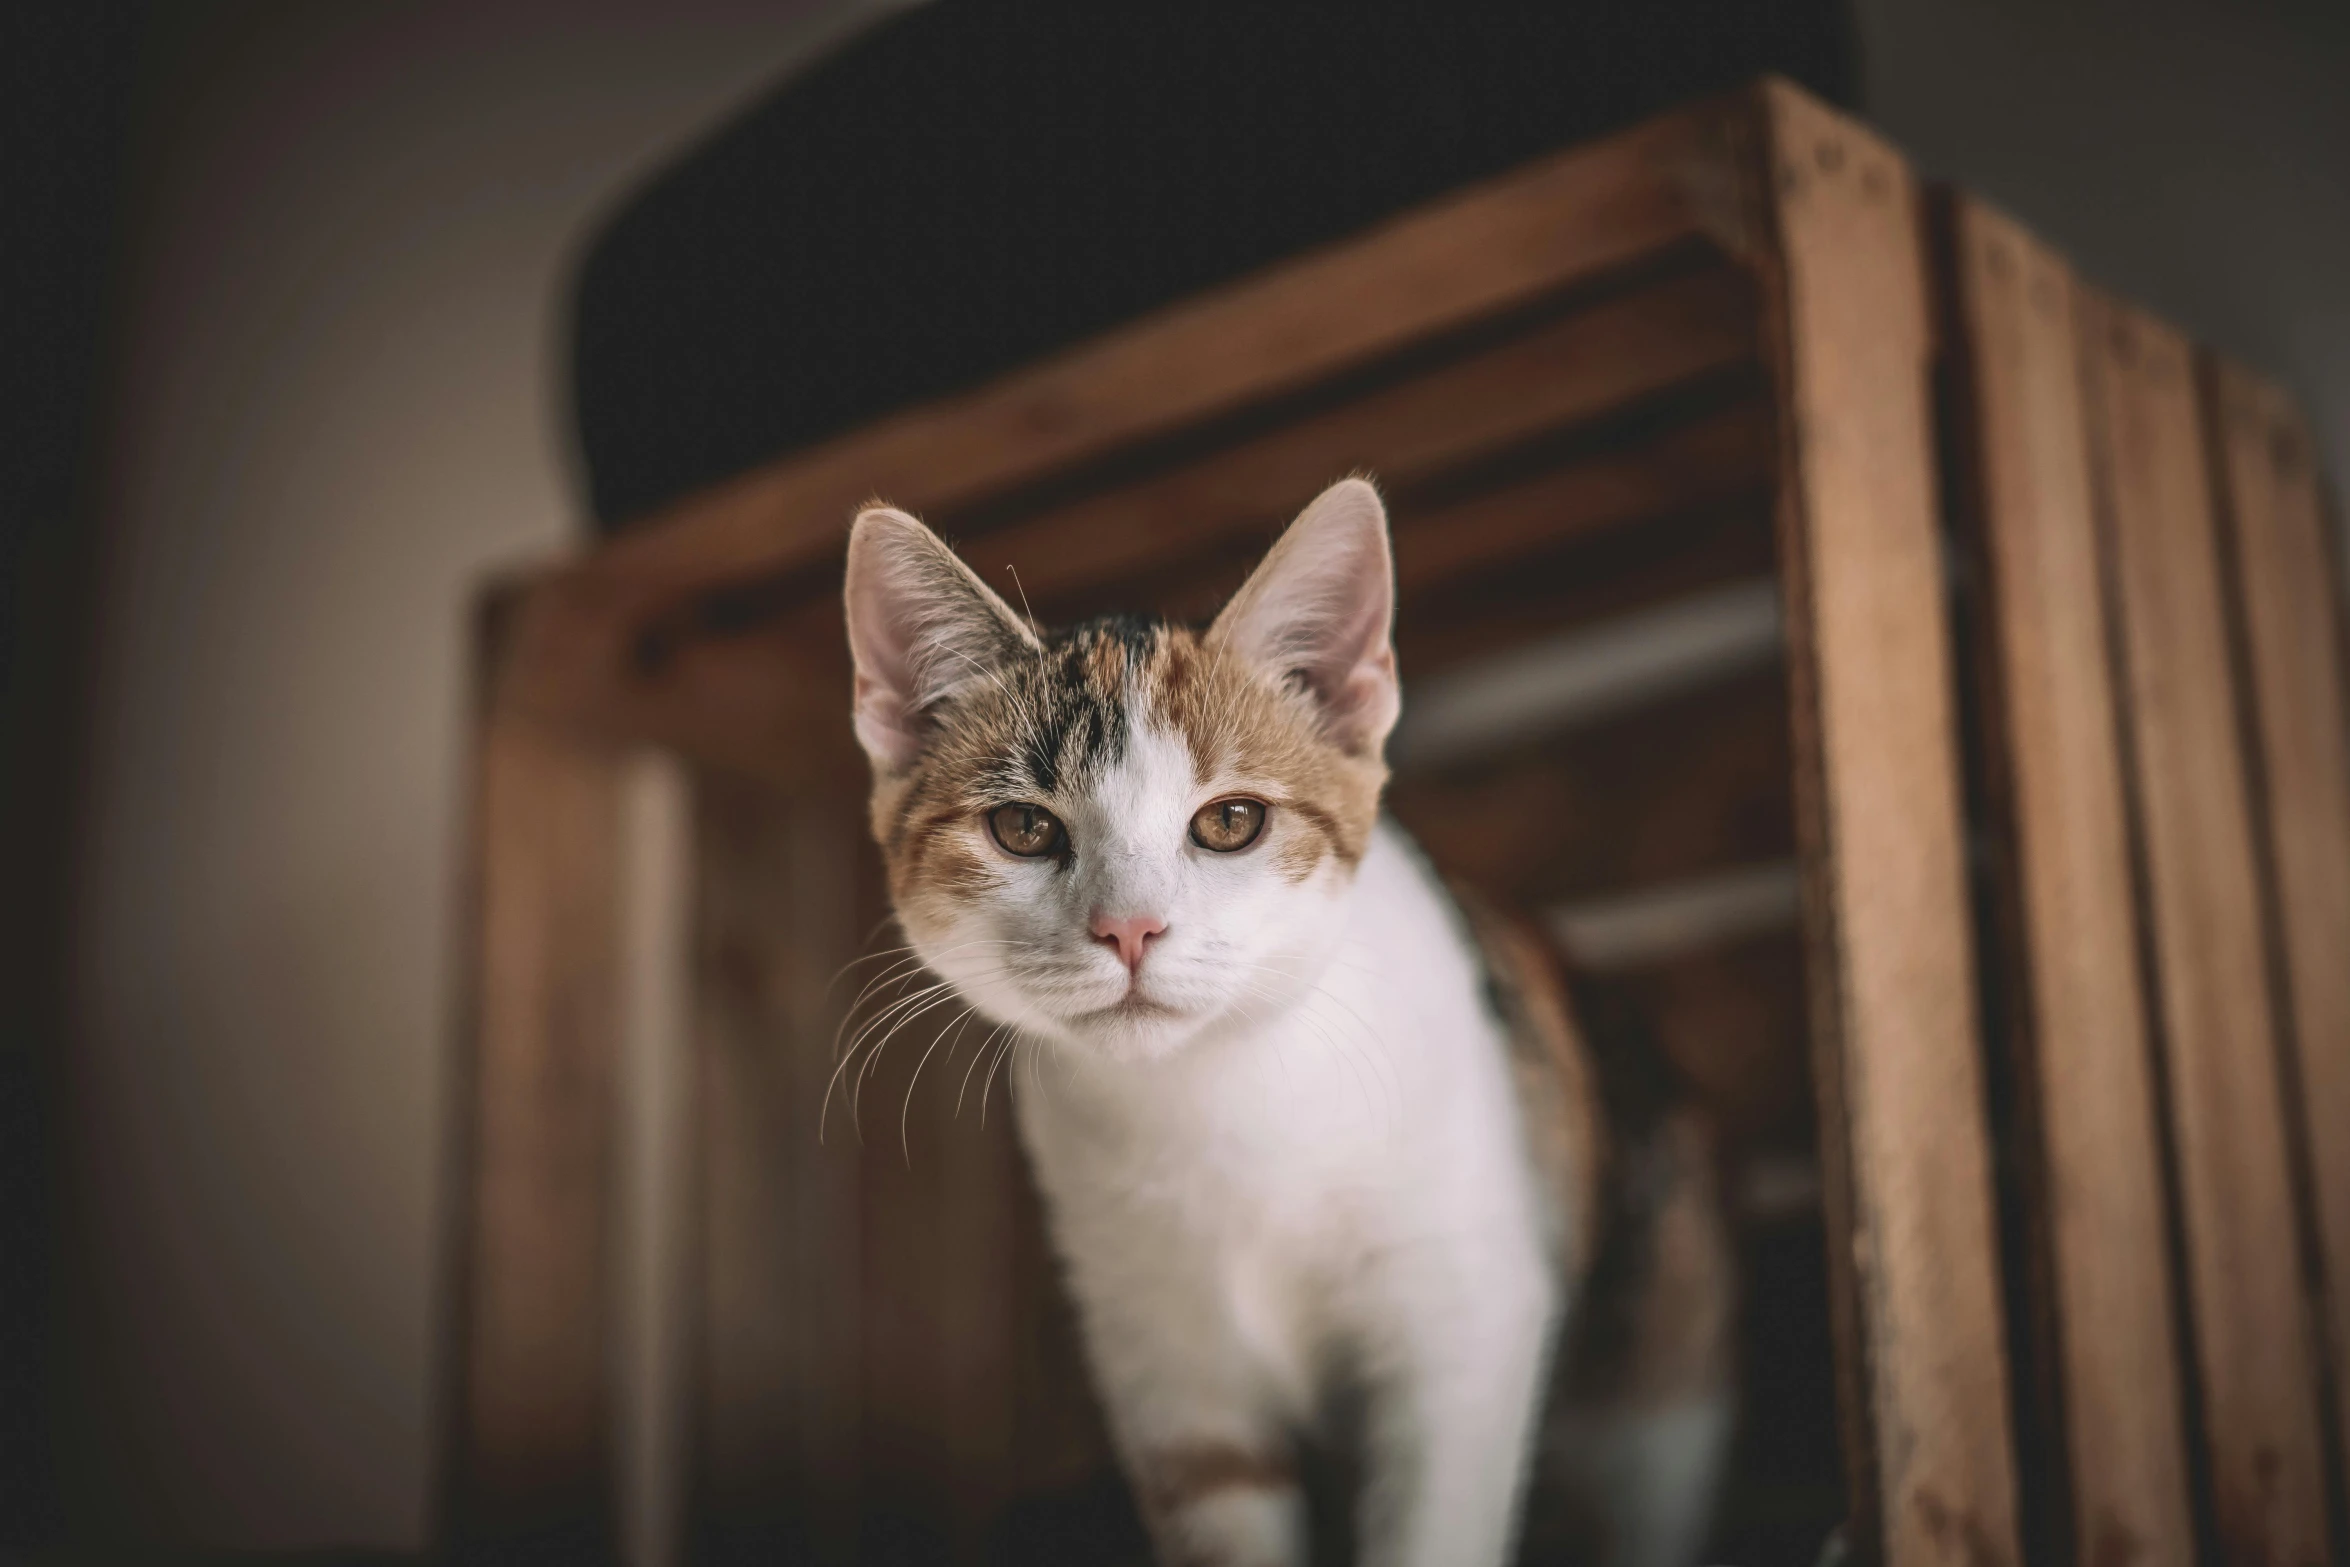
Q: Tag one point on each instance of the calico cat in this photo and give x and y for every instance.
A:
(1301, 1123)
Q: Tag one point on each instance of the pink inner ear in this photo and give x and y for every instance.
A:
(884, 724)
(881, 631)
(1320, 606)
(1368, 706)
(919, 624)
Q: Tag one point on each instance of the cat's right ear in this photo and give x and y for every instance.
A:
(921, 624)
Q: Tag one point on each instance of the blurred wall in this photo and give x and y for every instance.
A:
(341, 401)
(2192, 155)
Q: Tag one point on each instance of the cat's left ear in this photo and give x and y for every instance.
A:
(1320, 612)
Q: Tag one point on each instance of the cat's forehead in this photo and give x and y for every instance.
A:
(1064, 719)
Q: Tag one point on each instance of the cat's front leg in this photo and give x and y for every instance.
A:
(1455, 1391)
(1214, 1475)
(1220, 1502)
(1211, 1462)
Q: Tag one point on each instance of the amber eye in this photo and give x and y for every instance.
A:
(1228, 824)
(1026, 830)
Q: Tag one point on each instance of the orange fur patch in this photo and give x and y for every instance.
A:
(1179, 1476)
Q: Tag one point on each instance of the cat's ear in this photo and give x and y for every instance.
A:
(1320, 611)
(921, 624)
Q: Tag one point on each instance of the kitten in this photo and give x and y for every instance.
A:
(1303, 1126)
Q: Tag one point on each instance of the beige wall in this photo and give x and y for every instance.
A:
(340, 403)
(2193, 155)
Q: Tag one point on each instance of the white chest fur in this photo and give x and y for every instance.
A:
(1345, 1178)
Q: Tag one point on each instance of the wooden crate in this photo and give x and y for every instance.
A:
(1802, 575)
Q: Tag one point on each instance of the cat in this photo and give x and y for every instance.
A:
(1307, 1124)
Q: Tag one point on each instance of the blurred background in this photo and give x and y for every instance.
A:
(316, 313)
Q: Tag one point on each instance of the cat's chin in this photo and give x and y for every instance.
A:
(1136, 1028)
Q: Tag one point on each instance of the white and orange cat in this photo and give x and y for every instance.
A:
(1301, 1125)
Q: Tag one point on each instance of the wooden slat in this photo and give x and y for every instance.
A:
(1688, 786)
(2288, 581)
(1588, 675)
(948, 1280)
(1575, 523)
(1708, 462)
(772, 703)
(1897, 1062)
(1585, 581)
(940, 1286)
(1551, 376)
(1663, 922)
(2067, 915)
(654, 1229)
(884, 1369)
(2253, 1352)
(778, 912)
(531, 1454)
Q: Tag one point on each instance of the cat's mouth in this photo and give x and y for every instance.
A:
(1133, 1007)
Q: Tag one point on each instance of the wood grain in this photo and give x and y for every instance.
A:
(531, 1454)
(777, 913)
(2288, 586)
(1709, 461)
(1585, 582)
(2253, 1352)
(885, 1367)
(1548, 377)
(1897, 1064)
(1602, 533)
(2066, 907)
(1696, 784)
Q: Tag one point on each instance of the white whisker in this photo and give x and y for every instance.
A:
(987, 1084)
(976, 1057)
(940, 995)
(906, 1110)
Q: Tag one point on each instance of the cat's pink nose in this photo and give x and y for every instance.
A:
(1128, 934)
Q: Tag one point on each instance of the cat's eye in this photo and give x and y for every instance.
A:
(1228, 825)
(1029, 831)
